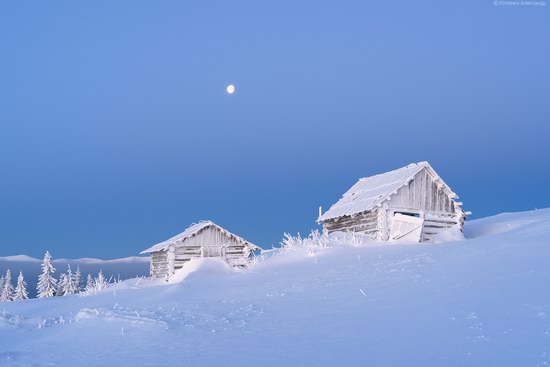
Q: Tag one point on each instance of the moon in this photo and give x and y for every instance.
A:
(230, 89)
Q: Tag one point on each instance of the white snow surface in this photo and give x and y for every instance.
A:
(370, 192)
(483, 301)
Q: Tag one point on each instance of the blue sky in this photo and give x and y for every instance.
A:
(116, 131)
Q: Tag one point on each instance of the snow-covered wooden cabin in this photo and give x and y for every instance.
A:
(203, 239)
(411, 203)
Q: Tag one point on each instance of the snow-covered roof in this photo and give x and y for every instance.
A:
(191, 231)
(370, 192)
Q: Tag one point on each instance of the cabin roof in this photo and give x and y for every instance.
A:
(370, 192)
(193, 230)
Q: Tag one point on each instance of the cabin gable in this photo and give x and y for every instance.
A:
(424, 192)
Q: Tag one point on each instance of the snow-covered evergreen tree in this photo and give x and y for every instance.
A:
(100, 282)
(7, 291)
(21, 288)
(66, 285)
(47, 285)
(90, 284)
(61, 285)
(1, 283)
(77, 279)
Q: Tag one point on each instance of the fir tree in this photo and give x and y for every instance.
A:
(67, 286)
(76, 280)
(47, 285)
(90, 284)
(61, 285)
(7, 290)
(1, 284)
(21, 288)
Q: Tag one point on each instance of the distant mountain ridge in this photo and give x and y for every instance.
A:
(80, 260)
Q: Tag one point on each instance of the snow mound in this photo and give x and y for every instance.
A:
(451, 234)
(201, 265)
(531, 221)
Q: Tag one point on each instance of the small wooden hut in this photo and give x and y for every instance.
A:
(203, 239)
(411, 203)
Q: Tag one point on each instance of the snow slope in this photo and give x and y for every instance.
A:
(484, 301)
(127, 267)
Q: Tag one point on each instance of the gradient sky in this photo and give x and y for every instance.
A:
(116, 131)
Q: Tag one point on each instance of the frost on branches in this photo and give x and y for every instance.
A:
(47, 285)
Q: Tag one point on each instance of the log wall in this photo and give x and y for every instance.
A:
(365, 223)
(159, 264)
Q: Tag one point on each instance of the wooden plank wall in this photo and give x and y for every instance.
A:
(423, 193)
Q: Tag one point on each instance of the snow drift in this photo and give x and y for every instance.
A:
(201, 265)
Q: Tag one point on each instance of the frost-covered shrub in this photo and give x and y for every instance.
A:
(96, 285)
(315, 240)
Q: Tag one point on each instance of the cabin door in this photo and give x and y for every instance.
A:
(406, 228)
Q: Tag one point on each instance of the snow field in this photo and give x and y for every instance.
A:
(479, 302)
